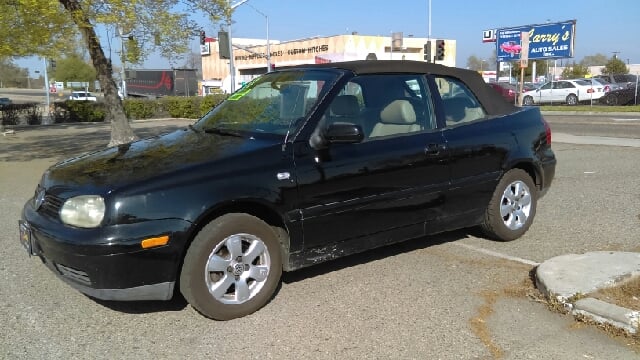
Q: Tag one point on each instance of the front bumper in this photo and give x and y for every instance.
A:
(108, 263)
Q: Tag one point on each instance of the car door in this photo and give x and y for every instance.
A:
(544, 93)
(384, 187)
(561, 90)
(477, 148)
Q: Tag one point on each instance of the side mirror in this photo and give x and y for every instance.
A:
(344, 133)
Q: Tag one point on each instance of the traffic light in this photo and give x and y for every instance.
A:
(223, 45)
(427, 51)
(439, 49)
(52, 63)
(203, 37)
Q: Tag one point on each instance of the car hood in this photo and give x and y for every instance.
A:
(155, 157)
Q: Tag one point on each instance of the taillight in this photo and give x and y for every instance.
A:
(511, 93)
(547, 130)
(606, 88)
(590, 91)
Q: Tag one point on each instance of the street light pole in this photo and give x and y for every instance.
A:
(232, 69)
(268, 42)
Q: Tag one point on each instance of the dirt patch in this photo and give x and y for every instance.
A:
(625, 294)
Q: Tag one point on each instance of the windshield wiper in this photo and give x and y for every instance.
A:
(222, 131)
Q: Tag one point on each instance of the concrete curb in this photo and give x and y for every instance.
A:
(565, 278)
(605, 313)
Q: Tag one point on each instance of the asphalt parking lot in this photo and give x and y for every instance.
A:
(452, 296)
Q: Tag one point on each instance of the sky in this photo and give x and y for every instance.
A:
(602, 27)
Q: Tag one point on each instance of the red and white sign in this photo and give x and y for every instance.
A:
(488, 36)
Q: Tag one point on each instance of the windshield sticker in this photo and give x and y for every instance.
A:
(243, 91)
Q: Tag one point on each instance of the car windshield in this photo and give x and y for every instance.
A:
(273, 104)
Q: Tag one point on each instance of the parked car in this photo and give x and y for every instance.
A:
(508, 91)
(300, 166)
(570, 92)
(622, 80)
(625, 96)
(5, 101)
(604, 84)
(82, 95)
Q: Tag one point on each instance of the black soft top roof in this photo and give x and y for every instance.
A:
(492, 101)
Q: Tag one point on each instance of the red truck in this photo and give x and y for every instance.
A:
(163, 82)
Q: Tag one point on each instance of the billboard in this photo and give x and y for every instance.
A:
(546, 41)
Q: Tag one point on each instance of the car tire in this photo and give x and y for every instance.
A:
(611, 100)
(528, 100)
(572, 99)
(232, 268)
(512, 207)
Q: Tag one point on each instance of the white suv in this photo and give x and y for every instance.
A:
(82, 95)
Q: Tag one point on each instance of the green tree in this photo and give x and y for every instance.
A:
(45, 27)
(594, 60)
(615, 66)
(575, 71)
(474, 63)
(73, 68)
(12, 75)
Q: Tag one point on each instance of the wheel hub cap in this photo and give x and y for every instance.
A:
(237, 268)
(515, 207)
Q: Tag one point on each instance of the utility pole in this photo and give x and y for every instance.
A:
(615, 54)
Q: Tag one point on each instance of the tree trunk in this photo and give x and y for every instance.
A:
(121, 131)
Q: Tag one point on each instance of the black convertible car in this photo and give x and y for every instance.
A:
(300, 166)
(626, 96)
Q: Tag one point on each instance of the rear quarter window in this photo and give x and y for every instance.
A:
(460, 104)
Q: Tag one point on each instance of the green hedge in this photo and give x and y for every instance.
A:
(78, 111)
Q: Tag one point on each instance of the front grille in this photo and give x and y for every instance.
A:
(51, 205)
(73, 274)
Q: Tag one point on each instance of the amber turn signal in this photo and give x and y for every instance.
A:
(153, 242)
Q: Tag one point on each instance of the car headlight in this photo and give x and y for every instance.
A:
(86, 211)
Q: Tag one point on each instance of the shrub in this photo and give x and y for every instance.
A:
(141, 108)
(182, 107)
(33, 115)
(10, 114)
(79, 111)
(210, 101)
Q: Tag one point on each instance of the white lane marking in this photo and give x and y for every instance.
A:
(499, 255)
(621, 119)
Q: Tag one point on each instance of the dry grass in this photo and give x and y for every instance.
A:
(625, 294)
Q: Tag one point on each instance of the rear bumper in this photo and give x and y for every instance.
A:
(548, 173)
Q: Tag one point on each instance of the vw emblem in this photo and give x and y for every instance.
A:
(238, 269)
(39, 198)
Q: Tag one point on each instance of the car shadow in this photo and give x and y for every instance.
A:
(177, 303)
(377, 254)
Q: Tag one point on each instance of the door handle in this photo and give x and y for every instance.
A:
(434, 149)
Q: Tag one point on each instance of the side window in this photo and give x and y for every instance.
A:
(460, 105)
(383, 105)
(546, 86)
(346, 106)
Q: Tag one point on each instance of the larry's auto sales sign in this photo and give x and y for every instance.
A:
(546, 41)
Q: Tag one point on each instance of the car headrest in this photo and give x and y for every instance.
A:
(454, 108)
(345, 105)
(398, 112)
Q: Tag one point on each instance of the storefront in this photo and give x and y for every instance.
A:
(252, 62)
